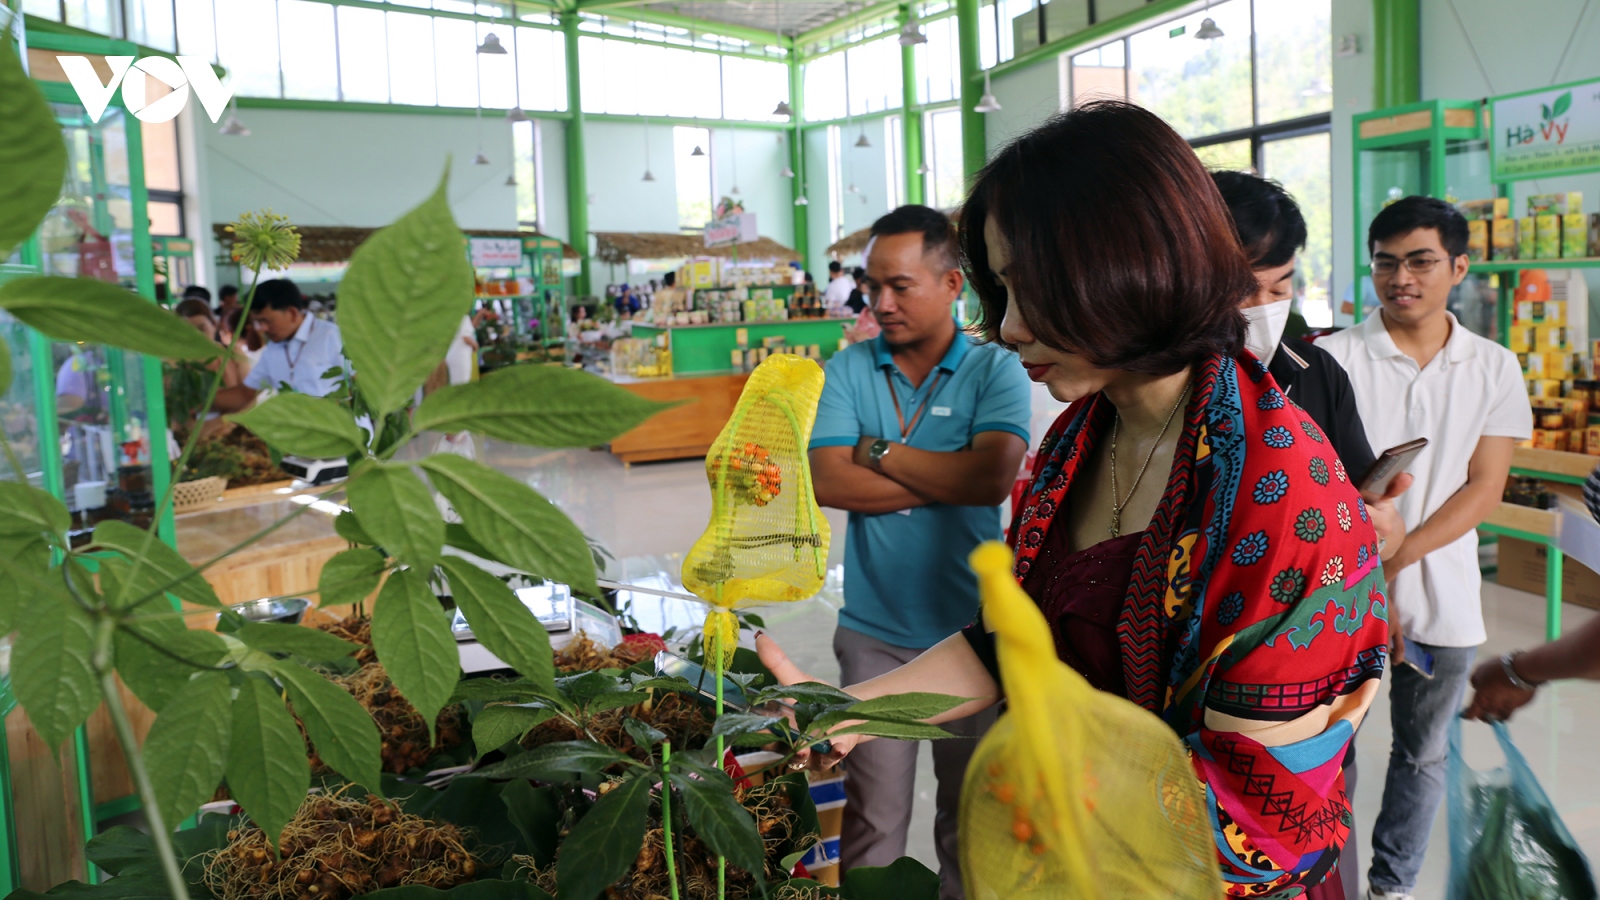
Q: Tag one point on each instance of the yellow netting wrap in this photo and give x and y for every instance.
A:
(1074, 792)
(768, 540)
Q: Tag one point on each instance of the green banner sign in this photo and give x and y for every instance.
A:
(1550, 131)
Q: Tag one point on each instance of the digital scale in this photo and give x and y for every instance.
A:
(315, 471)
(561, 614)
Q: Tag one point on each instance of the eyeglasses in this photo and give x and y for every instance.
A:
(1418, 265)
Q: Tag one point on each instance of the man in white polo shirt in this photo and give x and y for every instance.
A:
(1416, 373)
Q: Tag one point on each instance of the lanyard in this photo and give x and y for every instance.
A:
(906, 429)
(296, 361)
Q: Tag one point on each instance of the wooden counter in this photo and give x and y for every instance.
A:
(686, 431)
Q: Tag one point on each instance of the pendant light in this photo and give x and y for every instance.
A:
(782, 109)
(647, 175)
(911, 33)
(1208, 27)
(697, 151)
(515, 114)
(491, 45)
(802, 201)
(733, 153)
(923, 169)
(786, 172)
(511, 180)
(862, 142)
(987, 103)
(480, 159)
(232, 126)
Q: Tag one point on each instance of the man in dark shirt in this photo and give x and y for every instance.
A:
(1272, 231)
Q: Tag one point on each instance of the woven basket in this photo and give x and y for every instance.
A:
(195, 494)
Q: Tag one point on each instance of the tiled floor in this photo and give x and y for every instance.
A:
(647, 513)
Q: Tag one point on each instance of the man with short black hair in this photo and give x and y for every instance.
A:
(1418, 373)
(919, 435)
(303, 348)
(840, 284)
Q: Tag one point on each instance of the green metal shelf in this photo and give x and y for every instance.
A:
(1513, 265)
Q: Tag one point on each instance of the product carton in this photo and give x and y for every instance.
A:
(1546, 237)
(1503, 239)
(1522, 338)
(1558, 365)
(1502, 207)
(1545, 387)
(1532, 365)
(1477, 240)
(1473, 210)
(1549, 338)
(1574, 235)
(1594, 234)
(1591, 440)
(1556, 204)
(1544, 439)
(1525, 234)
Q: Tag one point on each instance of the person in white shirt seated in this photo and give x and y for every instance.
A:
(303, 349)
(837, 293)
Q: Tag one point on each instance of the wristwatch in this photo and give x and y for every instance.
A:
(877, 450)
(1516, 680)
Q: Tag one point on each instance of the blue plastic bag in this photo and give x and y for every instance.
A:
(1506, 841)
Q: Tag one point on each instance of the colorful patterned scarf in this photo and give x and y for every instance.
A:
(1257, 593)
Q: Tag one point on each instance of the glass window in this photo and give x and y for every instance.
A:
(497, 75)
(592, 53)
(1233, 156)
(197, 30)
(160, 144)
(411, 59)
(522, 152)
(751, 88)
(363, 55)
(824, 88)
(44, 9)
(455, 47)
(895, 160)
(942, 138)
(693, 175)
(1301, 165)
(310, 53)
(541, 69)
(150, 23)
(99, 16)
(835, 183)
(938, 62)
(1294, 44)
(247, 43)
(1100, 73)
(165, 218)
(874, 79)
(1199, 86)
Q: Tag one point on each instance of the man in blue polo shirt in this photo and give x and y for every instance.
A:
(919, 435)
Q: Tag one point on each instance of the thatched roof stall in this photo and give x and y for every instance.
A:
(336, 243)
(617, 247)
(851, 244)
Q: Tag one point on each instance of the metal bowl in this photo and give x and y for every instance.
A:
(268, 609)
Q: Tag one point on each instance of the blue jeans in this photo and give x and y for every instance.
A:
(1420, 712)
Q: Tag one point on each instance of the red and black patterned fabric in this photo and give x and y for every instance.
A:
(1256, 593)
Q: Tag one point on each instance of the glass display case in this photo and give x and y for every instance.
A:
(174, 267)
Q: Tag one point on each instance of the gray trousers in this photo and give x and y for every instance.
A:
(880, 775)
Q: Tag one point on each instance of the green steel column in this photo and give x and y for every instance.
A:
(1396, 52)
(797, 150)
(577, 168)
(974, 152)
(911, 113)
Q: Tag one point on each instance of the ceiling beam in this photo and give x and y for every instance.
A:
(869, 15)
(674, 20)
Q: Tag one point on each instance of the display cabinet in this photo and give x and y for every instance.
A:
(173, 264)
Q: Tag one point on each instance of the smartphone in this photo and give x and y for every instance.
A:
(1418, 658)
(1390, 463)
(671, 664)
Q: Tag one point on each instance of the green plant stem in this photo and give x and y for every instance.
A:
(722, 862)
(102, 661)
(162, 590)
(666, 815)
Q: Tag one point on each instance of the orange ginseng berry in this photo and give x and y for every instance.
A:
(1022, 830)
(1005, 793)
(737, 464)
(749, 449)
(994, 770)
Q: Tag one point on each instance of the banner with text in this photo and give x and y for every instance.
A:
(1555, 131)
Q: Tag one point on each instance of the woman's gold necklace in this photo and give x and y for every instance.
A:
(1116, 508)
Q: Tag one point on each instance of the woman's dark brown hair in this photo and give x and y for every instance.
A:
(1121, 247)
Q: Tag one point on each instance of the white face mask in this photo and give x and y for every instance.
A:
(1266, 323)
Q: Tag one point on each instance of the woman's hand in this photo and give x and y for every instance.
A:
(784, 669)
(1386, 520)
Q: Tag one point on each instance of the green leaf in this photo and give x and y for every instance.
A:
(731, 724)
(905, 731)
(723, 824)
(644, 736)
(311, 643)
(541, 406)
(304, 425)
(153, 676)
(411, 634)
(602, 847)
(97, 312)
(50, 668)
(347, 526)
(162, 565)
(1544, 112)
(120, 847)
(501, 622)
(457, 536)
(910, 707)
(5, 368)
(615, 700)
(402, 299)
(267, 769)
(397, 509)
(486, 889)
(341, 729)
(561, 756)
(805, 692)
(29, 512)
(493, 690)
(350, 576)
(537, 814)
(33, 156)
(20, 555)
(1563, 103)
(903, 879)
(495, 725)
(187, 749)
(518, 525)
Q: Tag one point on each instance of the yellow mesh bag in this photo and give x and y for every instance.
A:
(768, 540)
(1074, 792)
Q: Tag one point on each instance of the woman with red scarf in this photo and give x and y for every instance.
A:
(1189, 533)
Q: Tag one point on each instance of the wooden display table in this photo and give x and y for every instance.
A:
(686, 431)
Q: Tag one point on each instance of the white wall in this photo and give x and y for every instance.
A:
(619, 199)
(1352, 94)
(1028, 97)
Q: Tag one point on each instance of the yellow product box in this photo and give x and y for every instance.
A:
(1556, 204)
(1546, 237)
(1477, 240)
(1552, 421)
(1558, 365)
(1574, 235)
(1502, 207)
(1472, 210)
(1546, 387)
(1533, 365)
(1544, 439)
(741, 336)
(1522, 338)
(1503, 239)
(1525, 233)
(1591, 440)
(1575, 409)
(1549, 338)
